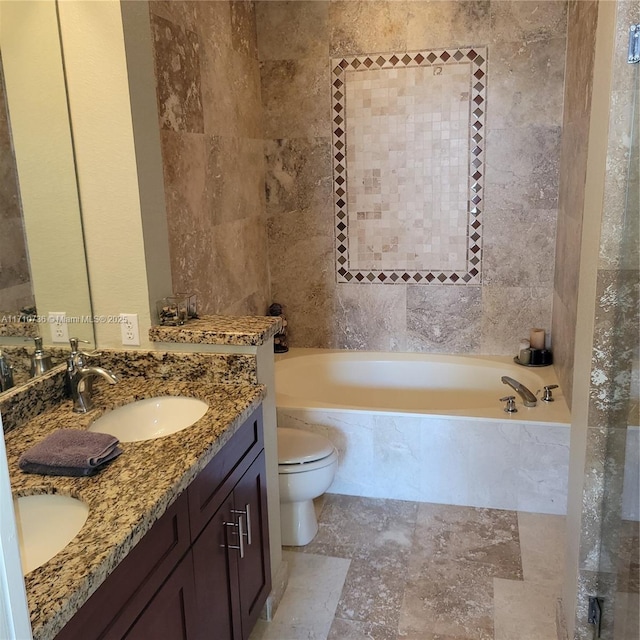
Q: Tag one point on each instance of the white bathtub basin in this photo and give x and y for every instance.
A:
(410, 383)
(151, 418)
(46, 525)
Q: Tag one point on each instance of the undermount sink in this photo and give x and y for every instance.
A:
(151, 418)
(46, 524)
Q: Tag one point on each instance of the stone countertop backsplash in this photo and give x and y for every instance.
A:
(133, 491)
(220, 330)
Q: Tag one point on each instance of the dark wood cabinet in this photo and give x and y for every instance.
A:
(216, 578)
(233, 553)
(171, 614)
(202, 572)
(254, 570)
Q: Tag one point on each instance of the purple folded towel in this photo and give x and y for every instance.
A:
(70, 452)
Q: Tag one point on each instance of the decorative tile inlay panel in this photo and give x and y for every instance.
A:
(408, 164)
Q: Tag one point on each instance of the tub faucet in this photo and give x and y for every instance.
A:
(81, 382)
(528, 399)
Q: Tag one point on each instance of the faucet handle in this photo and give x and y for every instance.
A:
(510, 407)
(548, 396)
(77, 356)
(73, 343)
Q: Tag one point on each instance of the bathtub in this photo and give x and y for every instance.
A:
(430, 428)
(412, 383)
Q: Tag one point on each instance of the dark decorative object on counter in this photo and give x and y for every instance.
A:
(280, 339)
(28, 314)
(537, 358)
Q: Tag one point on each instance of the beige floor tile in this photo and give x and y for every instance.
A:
(354, 630)
(395, 570)
(626, 625)
(449, 533)
(448, 599)
(309, 603)
(542, 547)
(524, 610)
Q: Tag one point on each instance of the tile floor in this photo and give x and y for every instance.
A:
(395, 570)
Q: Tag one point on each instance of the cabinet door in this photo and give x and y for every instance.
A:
(254, 569)
(216, 577)
(121, 598)
(171, 613)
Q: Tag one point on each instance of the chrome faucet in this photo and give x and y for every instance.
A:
(528, 399)
(81, 381)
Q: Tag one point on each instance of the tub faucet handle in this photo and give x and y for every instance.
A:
(510, 407)
(548, 396)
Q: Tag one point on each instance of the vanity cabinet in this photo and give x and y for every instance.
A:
(190, 578)
(228, 516)
(233, 549)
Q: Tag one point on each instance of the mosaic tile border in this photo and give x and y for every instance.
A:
(477, 58)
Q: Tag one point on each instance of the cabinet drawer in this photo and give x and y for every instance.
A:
(113, 608)
(209, 490)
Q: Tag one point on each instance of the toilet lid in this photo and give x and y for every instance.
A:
(296, 446)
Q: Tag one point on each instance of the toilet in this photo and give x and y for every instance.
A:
(306, 467)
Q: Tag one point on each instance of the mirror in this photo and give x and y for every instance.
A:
(40, 130)
(15, 279)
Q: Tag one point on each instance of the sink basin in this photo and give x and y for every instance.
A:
(151, 418)
(46, 524)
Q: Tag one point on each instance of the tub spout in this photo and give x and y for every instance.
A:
(528, 399)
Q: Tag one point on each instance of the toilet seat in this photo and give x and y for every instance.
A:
(300, 451)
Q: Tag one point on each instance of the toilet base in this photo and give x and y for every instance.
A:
(298, 522)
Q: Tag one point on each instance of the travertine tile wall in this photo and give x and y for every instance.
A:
(581, 33)
(526, 53)
(15, 280)
(208, 84)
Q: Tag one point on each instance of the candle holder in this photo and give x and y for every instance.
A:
(192, 310)
(537, 358)
(173, 310)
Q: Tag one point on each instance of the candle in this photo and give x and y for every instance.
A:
(536, 338)
(524, 357)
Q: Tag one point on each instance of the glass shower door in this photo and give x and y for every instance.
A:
(621, 527)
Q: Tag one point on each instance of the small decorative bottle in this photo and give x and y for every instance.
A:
(280, 344)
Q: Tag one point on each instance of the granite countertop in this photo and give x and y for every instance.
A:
(128, 496)
(11, 326)
(233, 330)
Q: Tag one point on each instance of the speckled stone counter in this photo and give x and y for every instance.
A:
(230, 330)
(24, 402)
(129, 495)
(18, 329)
(19, 358)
